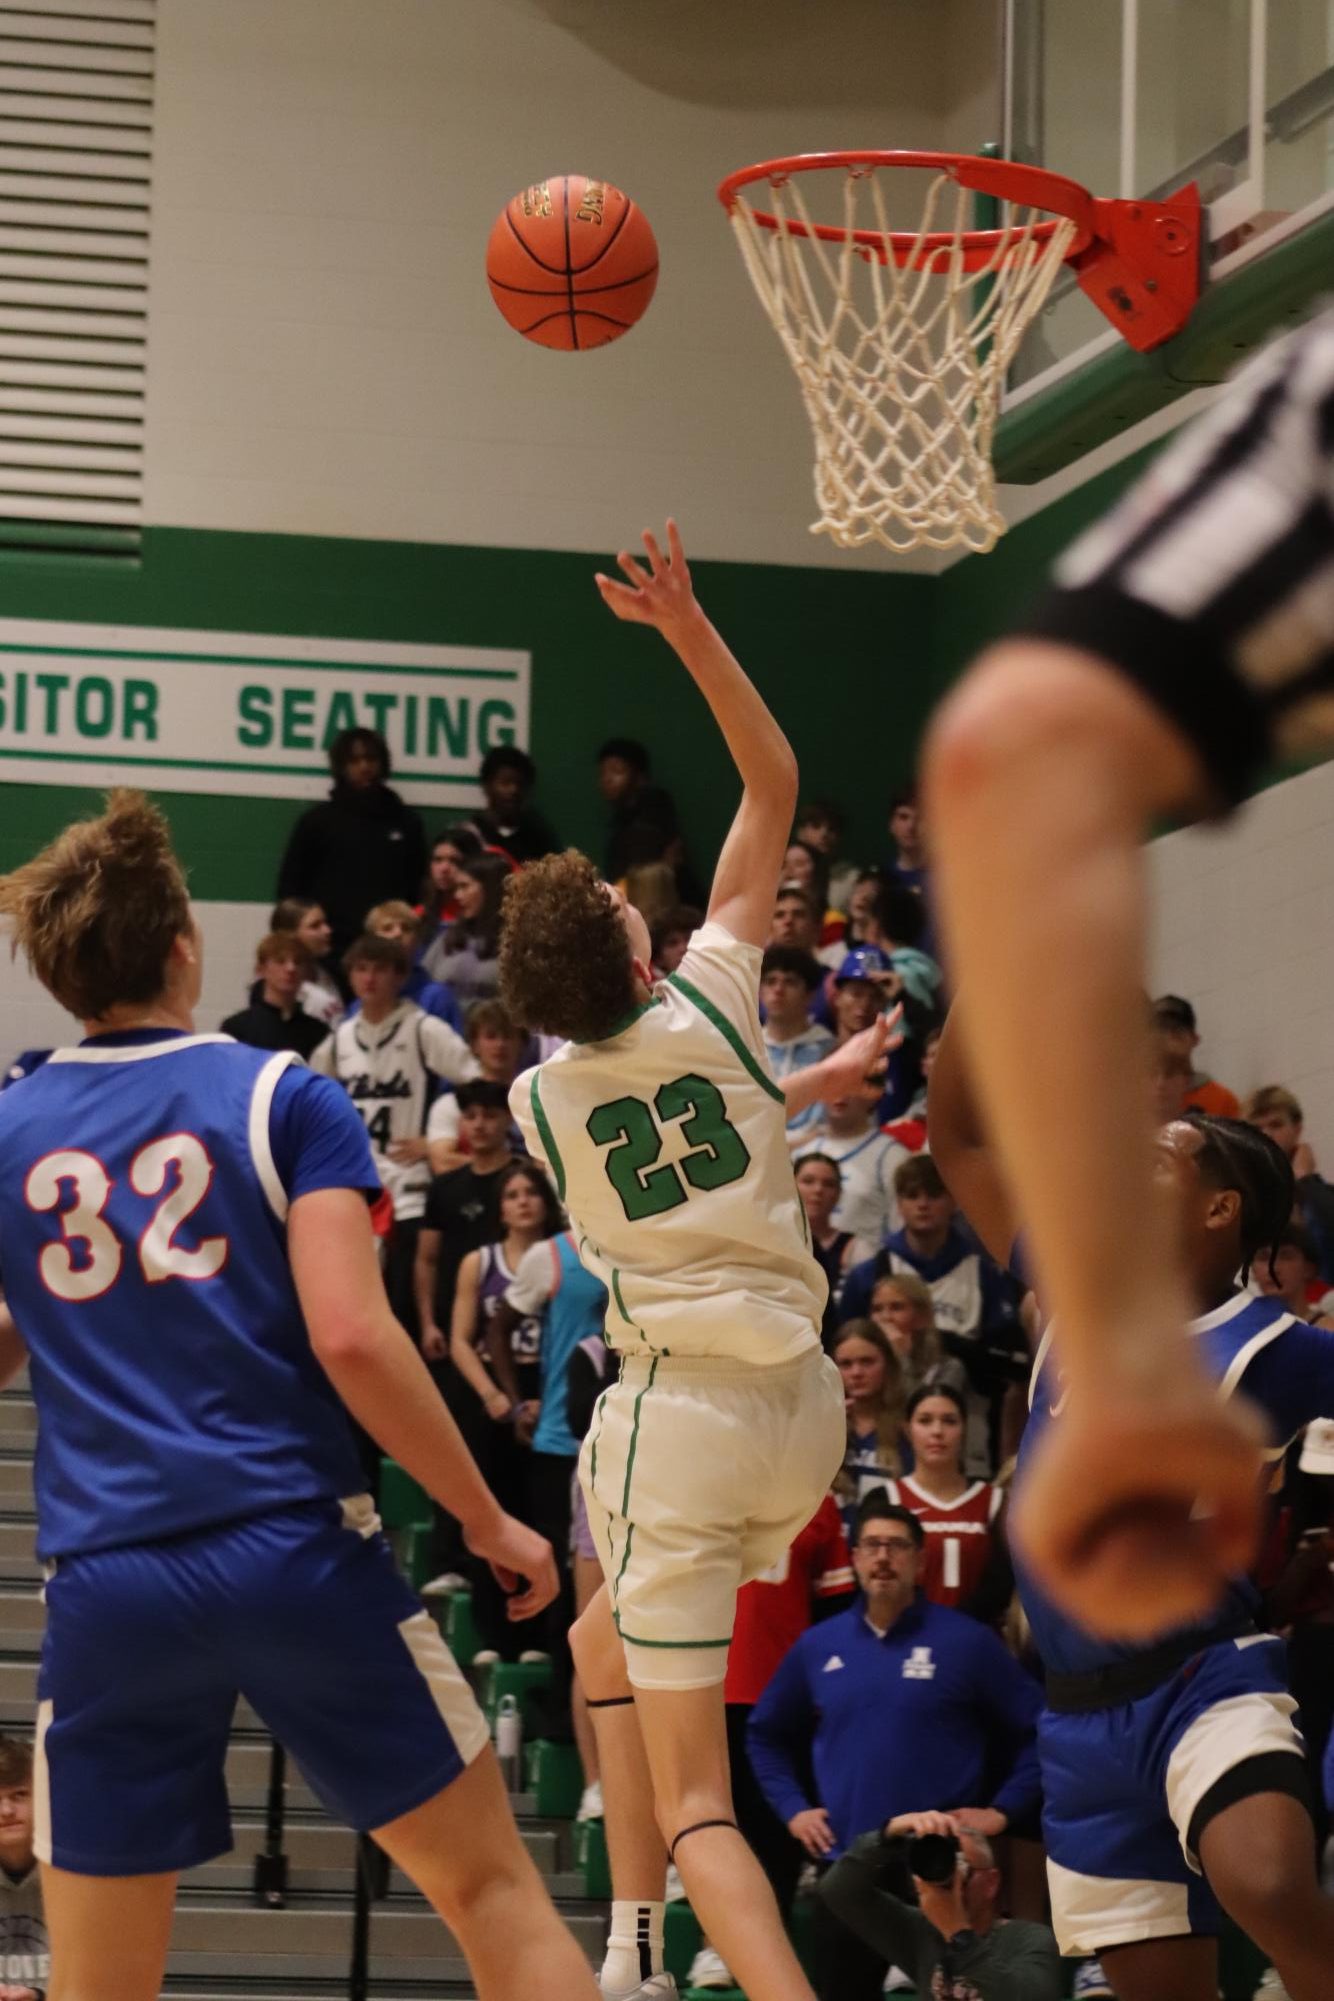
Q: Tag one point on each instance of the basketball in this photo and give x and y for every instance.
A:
(572, 263)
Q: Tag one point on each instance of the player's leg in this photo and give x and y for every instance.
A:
(636, 1851)
(587, 1584)
(1260, 1861)
(1119, 1884)
(685, 1738)
(463, 1851)
(134, 1714)
(349, 1671)
(108, 1934)
(635, 1847)
(763, 1446)
(1163, 1969)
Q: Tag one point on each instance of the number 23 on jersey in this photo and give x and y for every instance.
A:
(177, 1169)
(717, 1154)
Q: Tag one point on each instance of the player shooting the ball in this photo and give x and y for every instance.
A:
(665, 1132)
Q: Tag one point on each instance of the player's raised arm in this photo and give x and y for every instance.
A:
(748, 867)
(1185, 644)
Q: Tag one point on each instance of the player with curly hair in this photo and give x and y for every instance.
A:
(665, 1131)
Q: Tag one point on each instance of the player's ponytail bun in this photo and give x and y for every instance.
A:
(96, 912)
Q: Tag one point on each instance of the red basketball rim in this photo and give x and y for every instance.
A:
(1008, 180)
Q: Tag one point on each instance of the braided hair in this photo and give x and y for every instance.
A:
(1235, 1155)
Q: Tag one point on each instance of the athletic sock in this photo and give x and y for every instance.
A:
(634, 1949)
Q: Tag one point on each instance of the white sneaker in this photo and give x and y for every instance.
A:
(709, 1969)
(590, 1803)
(661, 1987)
(440, 1587)
(1090, 1982)
(676, 1889)
(531, 1654)
(898, 1982)
(486, 1658)
(1271, 1987)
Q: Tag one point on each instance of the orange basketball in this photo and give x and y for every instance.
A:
(572, 263)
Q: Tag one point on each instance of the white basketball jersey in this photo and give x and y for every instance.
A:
(667, 1143)
(389, 1072)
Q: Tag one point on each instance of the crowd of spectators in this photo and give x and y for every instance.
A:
(879, 1690)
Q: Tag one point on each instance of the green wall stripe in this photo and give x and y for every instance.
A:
(359, 667)
(592, 677)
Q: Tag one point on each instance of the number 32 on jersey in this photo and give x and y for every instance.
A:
(84, 1228)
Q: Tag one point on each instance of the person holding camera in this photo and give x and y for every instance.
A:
(953, 1943)
(897, 1706)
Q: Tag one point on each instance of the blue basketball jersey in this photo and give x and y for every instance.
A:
(145, 1180)
(1249, 1346)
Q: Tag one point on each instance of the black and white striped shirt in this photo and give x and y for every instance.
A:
(1211, 584)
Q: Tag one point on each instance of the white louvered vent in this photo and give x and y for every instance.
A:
(76, 145)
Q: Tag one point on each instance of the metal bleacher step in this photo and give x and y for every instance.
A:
(18, 1420)
(312, 1936)
(18, 1558)
(16, 1499)
(22, 1617)
(321, 1856)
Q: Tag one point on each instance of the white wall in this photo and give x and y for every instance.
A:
(32, 1020)
(1244, 927)
(324, 356)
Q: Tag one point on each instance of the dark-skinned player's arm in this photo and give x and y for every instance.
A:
(746, 878)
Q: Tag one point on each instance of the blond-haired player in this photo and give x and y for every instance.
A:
(665, 1131)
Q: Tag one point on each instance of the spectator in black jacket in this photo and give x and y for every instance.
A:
(275, 1018)
(507, 821)
(643, 823)
(363, 846)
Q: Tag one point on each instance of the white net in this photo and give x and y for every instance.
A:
(901, 366)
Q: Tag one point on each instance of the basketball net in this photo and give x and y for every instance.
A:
(901, 352)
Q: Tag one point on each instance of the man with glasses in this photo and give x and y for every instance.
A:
(896, 1706)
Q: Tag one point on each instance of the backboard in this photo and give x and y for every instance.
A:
(1139, 97)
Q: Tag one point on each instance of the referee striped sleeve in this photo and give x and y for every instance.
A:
(1211, 585)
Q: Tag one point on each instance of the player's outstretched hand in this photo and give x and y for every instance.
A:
(1141, 1503)
(663, 595)
(863, 1055)
(521, 1561)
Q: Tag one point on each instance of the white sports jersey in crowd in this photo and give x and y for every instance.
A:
(867, 1204)
(389, 1070)
(667, 1144)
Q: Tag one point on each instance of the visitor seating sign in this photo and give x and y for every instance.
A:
(237, 712)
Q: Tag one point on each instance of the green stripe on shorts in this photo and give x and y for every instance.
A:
(629, 1471)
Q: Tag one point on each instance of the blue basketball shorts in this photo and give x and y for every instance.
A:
(1126, 1791)
(147, 1648)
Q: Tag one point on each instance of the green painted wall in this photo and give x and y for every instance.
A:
(982, 595)
(845, 658)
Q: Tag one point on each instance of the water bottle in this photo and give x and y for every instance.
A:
(509, 1740)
